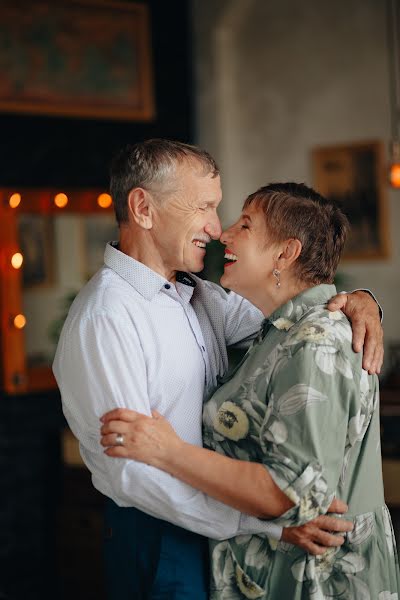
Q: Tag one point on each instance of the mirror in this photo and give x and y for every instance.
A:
(50, 250)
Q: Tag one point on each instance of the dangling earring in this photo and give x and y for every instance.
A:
(277, 275)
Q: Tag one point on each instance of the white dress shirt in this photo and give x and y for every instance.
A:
(134, 340)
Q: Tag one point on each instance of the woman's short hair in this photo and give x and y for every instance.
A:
(293, 210)
(152, 165)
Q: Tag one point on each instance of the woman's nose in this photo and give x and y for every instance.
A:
(226, 236)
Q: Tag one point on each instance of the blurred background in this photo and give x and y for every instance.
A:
(275, 90)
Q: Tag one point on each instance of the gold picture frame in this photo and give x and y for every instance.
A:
(353, 176)
(76, 58)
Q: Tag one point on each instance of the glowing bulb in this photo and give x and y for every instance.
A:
(19, 321)
(395, 175)
(61, 200)
(104, 200)
(14, 200)
(16, 260)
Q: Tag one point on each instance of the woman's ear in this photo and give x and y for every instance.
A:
(140, 207)
(289, 252)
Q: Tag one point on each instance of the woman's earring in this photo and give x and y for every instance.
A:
(277, 275)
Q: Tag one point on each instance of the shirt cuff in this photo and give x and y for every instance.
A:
(256, 526)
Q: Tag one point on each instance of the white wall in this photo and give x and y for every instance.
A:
(276, 78)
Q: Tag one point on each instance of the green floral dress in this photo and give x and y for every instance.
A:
(300, 404)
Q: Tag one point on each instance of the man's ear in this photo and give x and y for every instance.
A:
(140, 207)
(289, 252)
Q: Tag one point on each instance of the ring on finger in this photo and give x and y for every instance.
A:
(119, 439)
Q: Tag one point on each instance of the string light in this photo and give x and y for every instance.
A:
(61, 200)
(14, 200)
(16, 260)
(19, 321)
(104, 200)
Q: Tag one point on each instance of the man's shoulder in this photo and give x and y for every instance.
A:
(209, 287)
(106, 293)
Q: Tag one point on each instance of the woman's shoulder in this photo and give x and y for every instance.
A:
(321, 326)
(324, 334)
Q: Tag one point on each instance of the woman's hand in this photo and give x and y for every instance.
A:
(129, 434)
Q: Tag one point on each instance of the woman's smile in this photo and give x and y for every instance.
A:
(230, 257)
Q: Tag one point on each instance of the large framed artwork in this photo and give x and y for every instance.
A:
(82, 58)
(353, 176)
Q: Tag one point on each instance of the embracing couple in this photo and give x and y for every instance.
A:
(254, 459)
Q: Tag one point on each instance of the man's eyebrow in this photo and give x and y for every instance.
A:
(246, 217)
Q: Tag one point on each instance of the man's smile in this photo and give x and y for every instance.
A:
(199, 243)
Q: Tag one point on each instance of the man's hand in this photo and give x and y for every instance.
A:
(318, 535)
(363, 312)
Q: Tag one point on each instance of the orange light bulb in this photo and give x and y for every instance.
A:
(104, 200)
(395, 175)
(16, 260)
(14, 200)
(61, 200)
(19, 321)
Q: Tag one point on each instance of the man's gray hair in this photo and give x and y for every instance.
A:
(151, 165)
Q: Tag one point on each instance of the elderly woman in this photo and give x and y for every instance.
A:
(295, 424)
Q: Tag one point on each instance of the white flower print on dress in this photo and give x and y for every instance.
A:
(330, 575)
(312, 332)
(363, 529)
(388, 530)
(336, 315)
(297, 398)
(388, 596)
(283, 323)
(231, 421)
(248, 587)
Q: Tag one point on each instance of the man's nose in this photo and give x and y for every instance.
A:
(214, 228)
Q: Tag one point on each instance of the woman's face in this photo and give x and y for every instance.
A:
(250, 256)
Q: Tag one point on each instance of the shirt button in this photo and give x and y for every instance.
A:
(167, 286)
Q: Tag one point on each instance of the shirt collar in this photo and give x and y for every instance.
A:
(292, 311)
(143, 279)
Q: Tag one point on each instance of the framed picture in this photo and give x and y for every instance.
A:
(352, 175)
(83, 58)
(36, 241)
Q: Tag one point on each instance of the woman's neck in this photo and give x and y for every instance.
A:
(269, 301)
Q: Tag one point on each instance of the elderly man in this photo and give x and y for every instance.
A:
(147, 334)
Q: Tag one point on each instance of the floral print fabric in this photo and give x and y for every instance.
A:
(301, 405)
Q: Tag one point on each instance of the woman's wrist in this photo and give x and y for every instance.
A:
(169, 455)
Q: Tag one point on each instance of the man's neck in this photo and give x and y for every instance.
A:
(136, 245)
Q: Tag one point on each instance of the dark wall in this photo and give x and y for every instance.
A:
(47, 151)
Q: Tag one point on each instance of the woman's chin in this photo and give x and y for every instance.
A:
(227, 282)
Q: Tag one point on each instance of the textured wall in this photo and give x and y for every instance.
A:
(274, 79)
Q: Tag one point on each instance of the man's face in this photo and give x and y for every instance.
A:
(186, 220)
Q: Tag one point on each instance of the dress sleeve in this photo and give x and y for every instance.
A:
(311, 398)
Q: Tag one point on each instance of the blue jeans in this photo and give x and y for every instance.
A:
(150, 559)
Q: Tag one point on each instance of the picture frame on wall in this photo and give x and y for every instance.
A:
(36, 241)
(353, 176)
(76, 58)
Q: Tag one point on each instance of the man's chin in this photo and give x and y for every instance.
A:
(195, 267)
